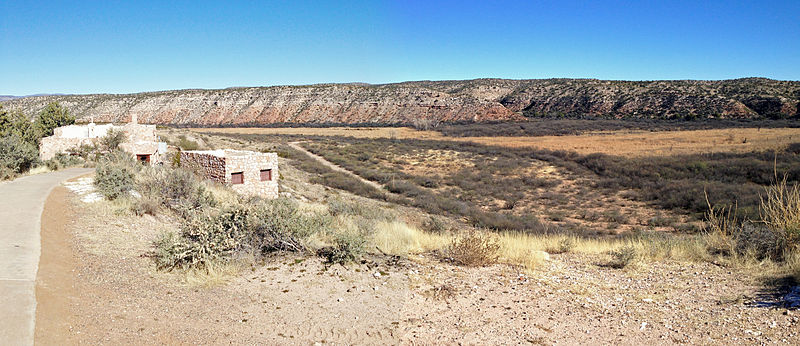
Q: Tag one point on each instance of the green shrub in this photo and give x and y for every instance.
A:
(257, 229)
(17, 124)
(51, 117)
(204, 238)
(187, 144)
(16, 155)
(338, 206)
(176, 189)
(114, 176)
(278, 225)
(61, 161)
(112, 140)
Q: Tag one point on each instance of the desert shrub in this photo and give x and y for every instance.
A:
(62, 160)
(623, 257)
(177, 189)
(474, 249)
(502, 221)
(255, 228)
(187, 144)
(337, 206)
(114, 175)
(112, 140)
(760, 242)
(145, 205)
(16, 155)
(175, 159)
(204, 238)
(348, 247)
(559, 127)
(565, 245)
(278, 225)
(342, 181)
(728, 235)
(435, 224)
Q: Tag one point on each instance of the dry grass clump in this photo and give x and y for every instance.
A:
(474, 249)
(773, 240)
(780, 210)
(398, 238)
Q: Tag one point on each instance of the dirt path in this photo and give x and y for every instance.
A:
(55, 280)
(336, 167)
(22, 202)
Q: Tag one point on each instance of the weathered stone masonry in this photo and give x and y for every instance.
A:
(246, 172)
(140, 140)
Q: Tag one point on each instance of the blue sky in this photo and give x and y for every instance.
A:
(133, 46)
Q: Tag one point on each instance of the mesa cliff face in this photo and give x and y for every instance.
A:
(435, 101)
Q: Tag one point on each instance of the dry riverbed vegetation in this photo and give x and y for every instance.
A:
(466, 243)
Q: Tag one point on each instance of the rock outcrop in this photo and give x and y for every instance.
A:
(435, 101)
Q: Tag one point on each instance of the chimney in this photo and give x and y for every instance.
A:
(134, 119)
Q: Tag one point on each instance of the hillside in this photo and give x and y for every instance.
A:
(437, 101)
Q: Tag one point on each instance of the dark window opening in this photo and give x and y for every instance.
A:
(143, 158)
(237, 178)
(266, 174)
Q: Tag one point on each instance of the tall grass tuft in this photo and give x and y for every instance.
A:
(780, 210)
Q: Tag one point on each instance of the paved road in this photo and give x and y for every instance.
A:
(21, 205)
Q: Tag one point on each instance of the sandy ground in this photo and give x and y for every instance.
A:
(97, 285)
(55, 279)
(625, 143)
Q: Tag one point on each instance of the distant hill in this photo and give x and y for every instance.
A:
(477, 100)
(11, 97)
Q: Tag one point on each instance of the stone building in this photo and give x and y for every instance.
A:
(141, 140)
(247, 172)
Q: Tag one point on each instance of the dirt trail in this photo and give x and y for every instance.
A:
(55, 279)
(336, 167)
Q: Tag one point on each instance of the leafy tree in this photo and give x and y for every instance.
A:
(51, 117)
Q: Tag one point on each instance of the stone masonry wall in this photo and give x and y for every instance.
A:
(251, 165)
(50, 146)
(210, 166)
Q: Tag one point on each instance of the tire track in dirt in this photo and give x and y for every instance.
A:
(335, 167)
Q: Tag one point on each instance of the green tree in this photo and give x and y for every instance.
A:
(15, 123)
(16, 156)
(51, 117)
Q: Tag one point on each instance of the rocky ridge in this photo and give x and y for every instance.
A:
(432, 102)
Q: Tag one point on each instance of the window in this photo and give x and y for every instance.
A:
(143, 158)
(266, 174)
(237, 178)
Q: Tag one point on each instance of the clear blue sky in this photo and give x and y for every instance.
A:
(132, 46)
